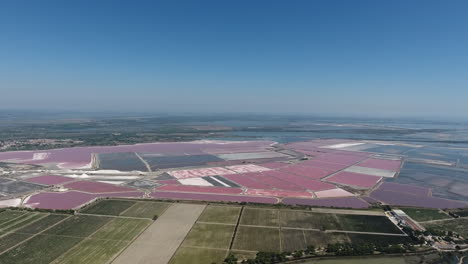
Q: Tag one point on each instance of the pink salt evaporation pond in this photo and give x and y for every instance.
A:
(279, 193)
(71, 199)
(344, 202)
(199, 189)
(96, 187)
(355, 179)
(337, 192)
(247, 168)
(213, 197)
(49, 179)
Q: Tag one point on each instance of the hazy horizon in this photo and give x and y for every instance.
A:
(334, 58)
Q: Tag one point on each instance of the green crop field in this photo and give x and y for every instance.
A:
(7, 216)
(308, 220)
(108, 207)
(257, 239)
(43, 224)
(292, 239)
(123, 229)
(9, 240)
(198, 256)
(322, 239)
(220, 214)
(367, 223)
(92, 251)
(101, 246)
(459, 225)
(25, 220)
(39, 249)
(146, 209)
(419, 214)
(210, 235)
(260, 217)
(377, 239)
(80, 226)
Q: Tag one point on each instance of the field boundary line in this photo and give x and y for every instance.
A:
(271, 227)
(33, 235)
(115, 216)
(215, 223)
(32, 215)
(363, 232)
(5, 223)
(227, 249)
(236, 228)
(136, 202)
(131, 242)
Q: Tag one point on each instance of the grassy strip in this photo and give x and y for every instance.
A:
(25, 221)
(209, 235)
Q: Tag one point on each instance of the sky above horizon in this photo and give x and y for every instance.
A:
(368, 58)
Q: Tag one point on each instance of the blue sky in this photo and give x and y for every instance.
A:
(371, 58)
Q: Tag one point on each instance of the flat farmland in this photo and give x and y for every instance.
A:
(78, 226)
(257, 239)
(459, 225)
(220, 214)
(260, 217)
(322, 239)
(309, 220)
(158, 243)
(106, 242)
(216, 236)
(292, 239)
(198, 256)
(420, 214)
(367, 223)
(146, 209)
(108, 207)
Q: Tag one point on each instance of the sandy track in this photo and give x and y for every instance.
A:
(160, 241)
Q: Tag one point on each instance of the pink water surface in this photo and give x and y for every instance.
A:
(96, 187)
(212, 197)
(49, 179)
(199, 189)
(355, 179)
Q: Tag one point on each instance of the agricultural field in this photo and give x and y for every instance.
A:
(424, 214)
(220, 214)
(108, 207)
(32, 237)
(459, 225)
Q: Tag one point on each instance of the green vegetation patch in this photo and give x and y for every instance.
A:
(24, 221)
(259, 217)
(292, 239)
(39, 249)
(146, 209)
(80, 226)
(220, 214)
(121, 229)
(8, 216)
(190, 255)
(257, 239)
(419, 214)
(42, 224)
(309, 220)
(360, 260)
(322, 239)
(382, 240)
(210, 235)
(12, 239)
(108, 207)
(92, 251)
(367, 223)
(458, 225)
